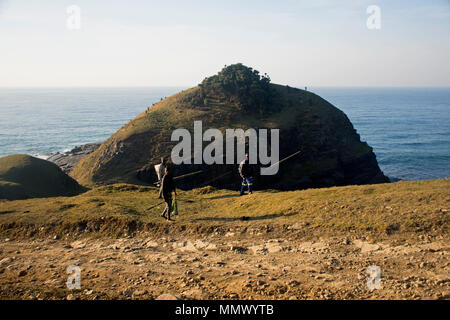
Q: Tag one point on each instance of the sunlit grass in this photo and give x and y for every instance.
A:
(385, 208)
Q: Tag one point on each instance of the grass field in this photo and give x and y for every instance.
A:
(121, 209)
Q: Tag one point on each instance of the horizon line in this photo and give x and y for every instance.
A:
(187, 87)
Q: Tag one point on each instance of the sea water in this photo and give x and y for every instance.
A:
(407, 127)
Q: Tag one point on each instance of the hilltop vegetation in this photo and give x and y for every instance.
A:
(252, 91)
(238, 97)
(23, 176)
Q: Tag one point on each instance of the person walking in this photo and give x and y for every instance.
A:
(167, 187)
(246, 172)
(160, 171)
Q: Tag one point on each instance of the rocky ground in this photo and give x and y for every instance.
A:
(234, 265)
(68, 160)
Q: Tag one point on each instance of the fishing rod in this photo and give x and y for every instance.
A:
(187, 175)
(183, 176)
(278, 162)
(216, 178)
(226, 173)
(156, 205)
(282, 160)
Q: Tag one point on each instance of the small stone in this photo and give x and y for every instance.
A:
(128, 293)
(152, 244)
(260, 283)
(273, 248)
(138, 293)
(167, 296)
(6, 261)
(78, 244)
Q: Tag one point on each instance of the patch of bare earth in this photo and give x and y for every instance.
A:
(235, 265)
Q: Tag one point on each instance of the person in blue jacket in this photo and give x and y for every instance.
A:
(246, 172)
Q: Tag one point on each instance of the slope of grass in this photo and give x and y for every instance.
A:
(23, 176)
(120, 209)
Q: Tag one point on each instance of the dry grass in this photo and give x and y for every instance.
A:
(384, 209)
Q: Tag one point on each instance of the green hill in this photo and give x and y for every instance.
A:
(238, 97)
(23, 176)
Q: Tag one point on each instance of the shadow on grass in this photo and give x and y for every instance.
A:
(245, 218)
(7, 211)
(224, 197)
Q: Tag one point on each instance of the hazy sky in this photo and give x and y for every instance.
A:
(178, 43)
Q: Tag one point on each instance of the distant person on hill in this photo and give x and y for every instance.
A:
(246, 172)
(167, 187)
(160, 171)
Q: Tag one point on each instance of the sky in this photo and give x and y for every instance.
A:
(179, 43)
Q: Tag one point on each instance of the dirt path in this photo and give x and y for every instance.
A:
(230, 266)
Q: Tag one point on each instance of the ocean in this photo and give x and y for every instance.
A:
(408, 128)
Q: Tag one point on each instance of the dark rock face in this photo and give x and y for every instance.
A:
(360, 171)
(325, 167)
(332, 153)
(67, 161)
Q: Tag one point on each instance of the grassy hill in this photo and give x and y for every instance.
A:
(23, 176)
(238, 97)
(116, 210)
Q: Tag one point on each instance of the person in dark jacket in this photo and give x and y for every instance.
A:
(246, 172)
(167, 187)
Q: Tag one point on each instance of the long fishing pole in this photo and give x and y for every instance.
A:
(222, 175)
(278, 162)
(282, 160)
(156, 205)
(183, 176)
(187, 175)
(216, 178)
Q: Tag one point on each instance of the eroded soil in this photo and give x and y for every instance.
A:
(235, 265)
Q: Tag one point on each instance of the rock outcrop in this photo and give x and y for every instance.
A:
(238, 97)
(68, 160)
